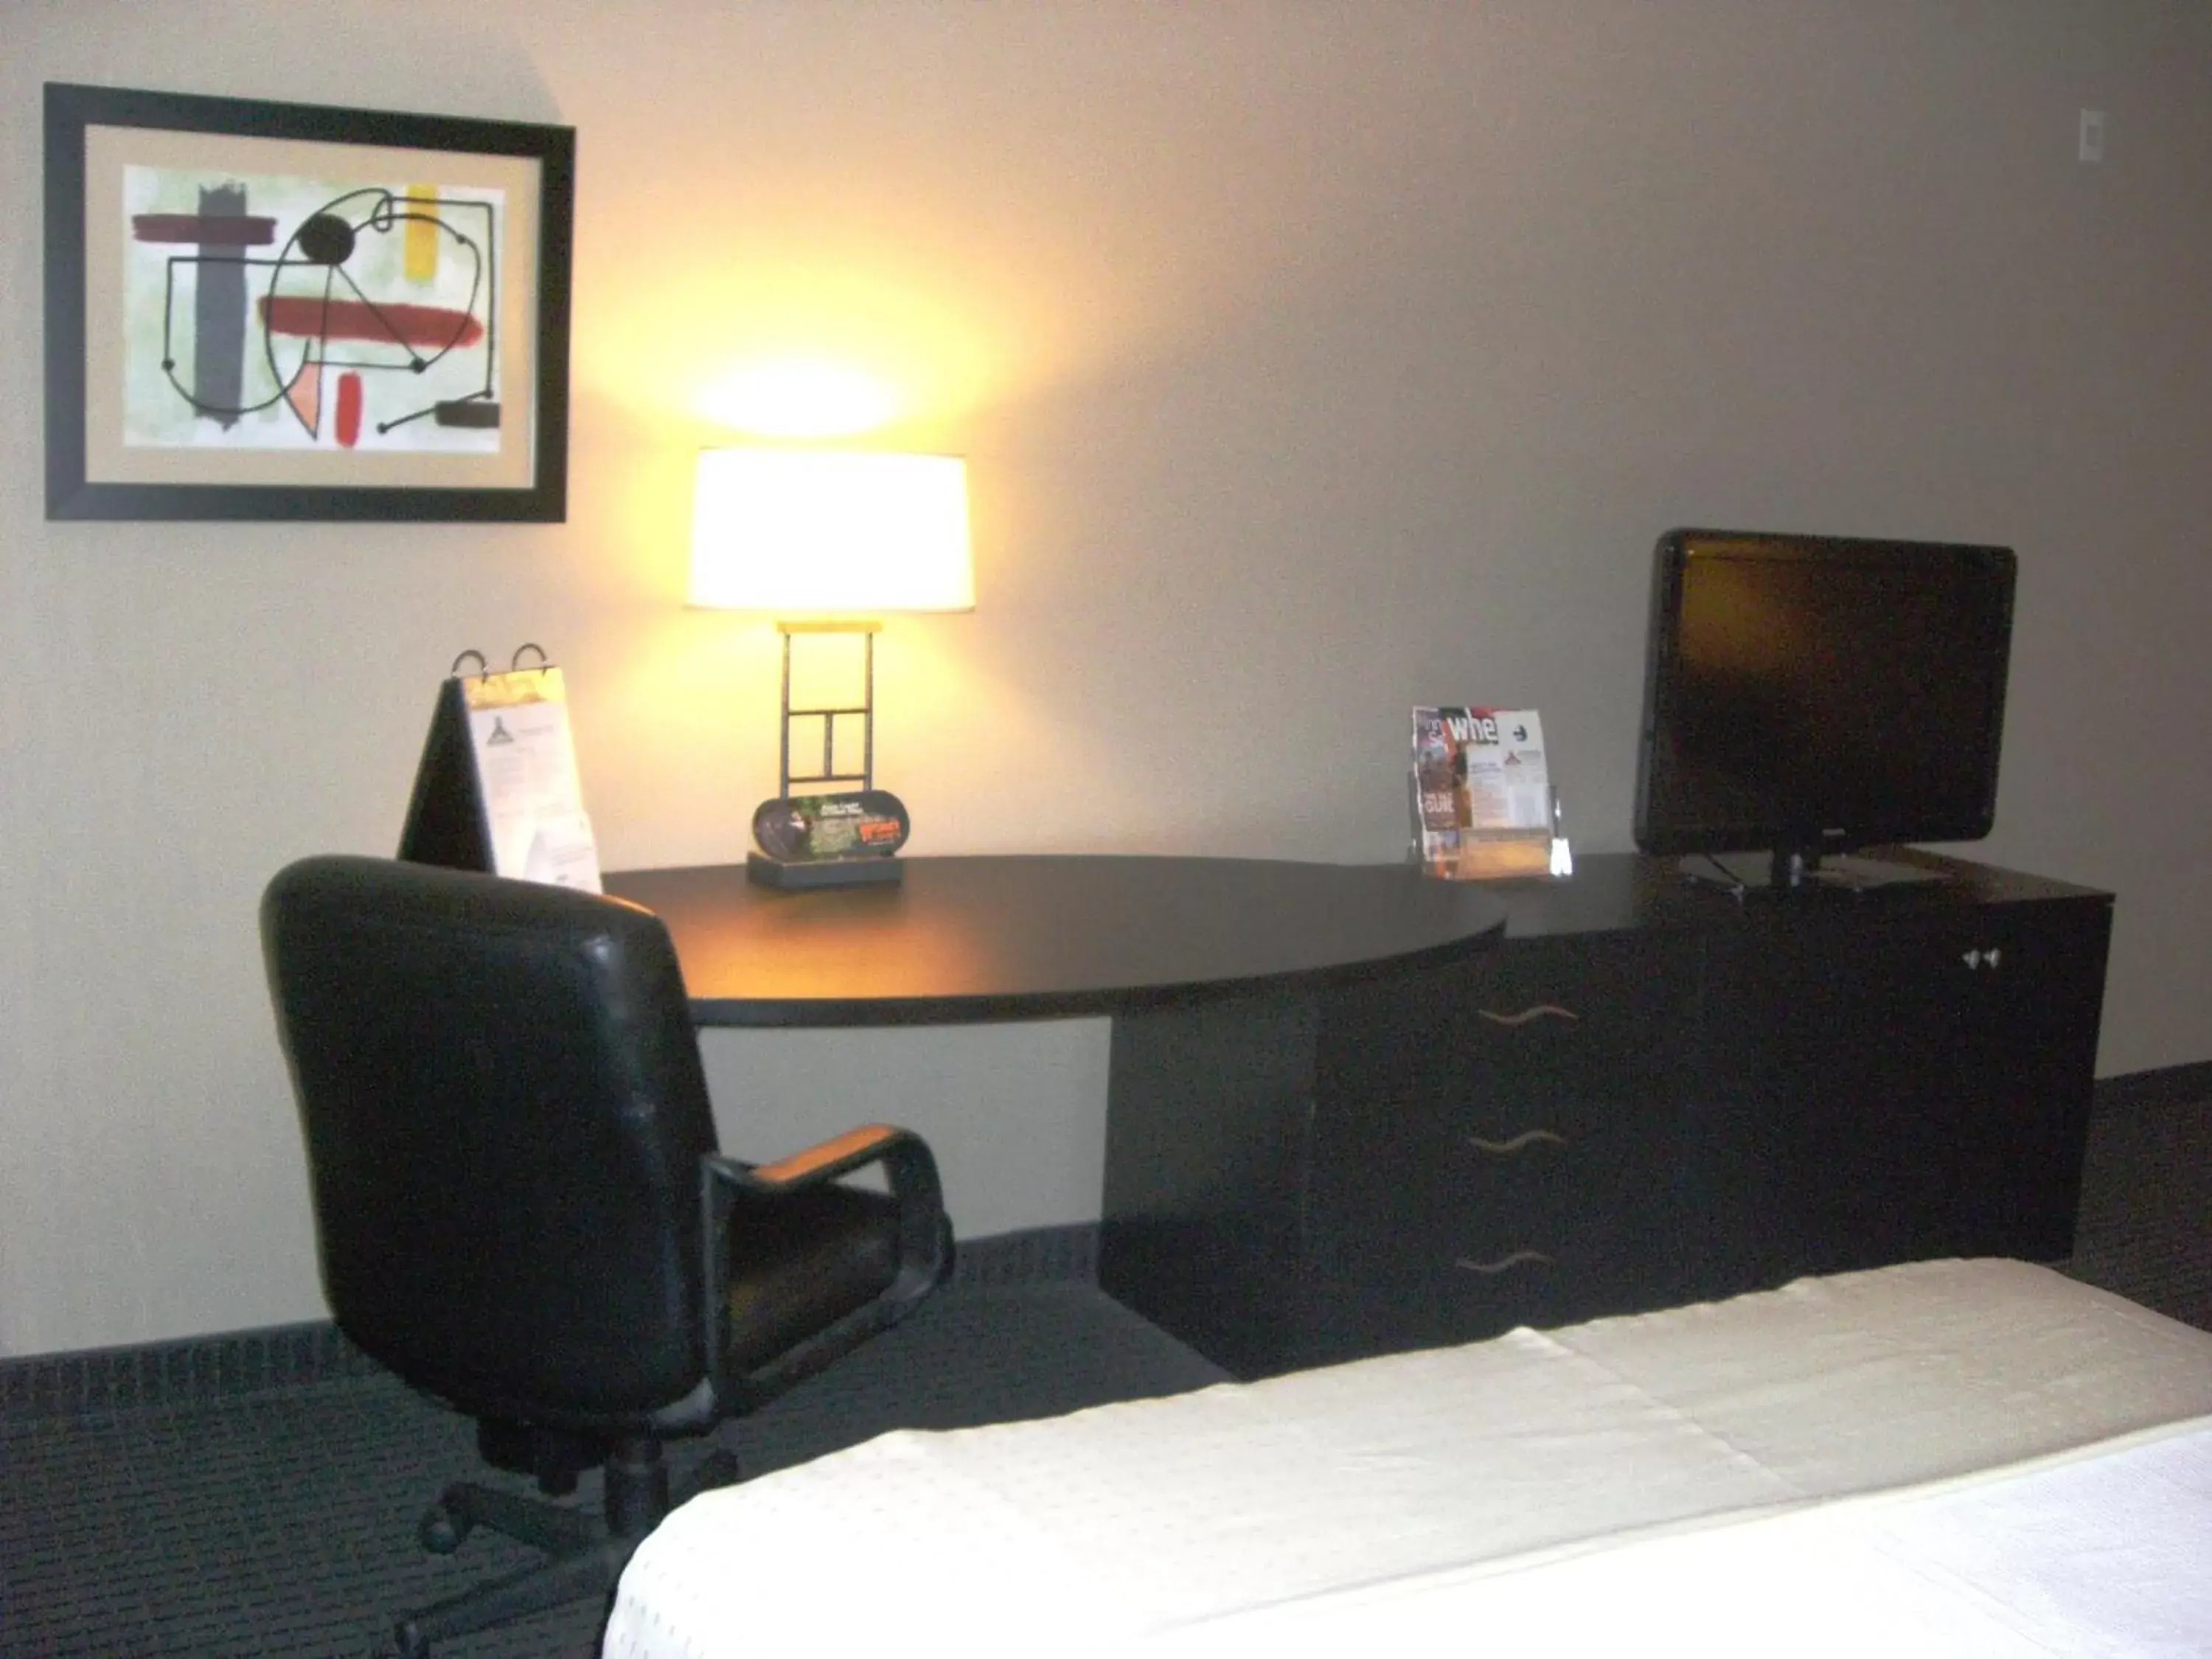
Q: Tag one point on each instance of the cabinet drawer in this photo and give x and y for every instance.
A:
(1474, 1232)
(1508, 1044)
(1376, 1294)
(1352, 1318)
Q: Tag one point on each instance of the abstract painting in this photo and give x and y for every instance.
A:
(289, 311)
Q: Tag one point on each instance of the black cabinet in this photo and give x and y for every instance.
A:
(1648, 1093)
(1907, 1084)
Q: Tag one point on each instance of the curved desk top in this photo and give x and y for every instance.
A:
(1011, 937)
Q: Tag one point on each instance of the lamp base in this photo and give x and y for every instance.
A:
(869, 869)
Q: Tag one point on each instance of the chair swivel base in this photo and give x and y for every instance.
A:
(586, 1552)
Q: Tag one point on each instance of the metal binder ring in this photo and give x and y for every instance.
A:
(482, 667)
(514, 662)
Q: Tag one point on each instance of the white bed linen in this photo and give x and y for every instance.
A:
(1419, 1492)
(2094, 1556)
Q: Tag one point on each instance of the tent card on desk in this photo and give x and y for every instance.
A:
(526, 759)
(1481, 793)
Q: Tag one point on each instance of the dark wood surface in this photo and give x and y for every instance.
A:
(1612, 892)
(1337, 1122)
(1650, 1092)
(1010, 937)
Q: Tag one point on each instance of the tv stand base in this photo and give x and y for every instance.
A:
(1754, 874)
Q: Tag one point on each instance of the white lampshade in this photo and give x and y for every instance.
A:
(830, 532)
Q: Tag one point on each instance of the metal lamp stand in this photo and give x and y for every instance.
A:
(869, 868)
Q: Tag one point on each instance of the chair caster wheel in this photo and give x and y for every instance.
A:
(440, 1531)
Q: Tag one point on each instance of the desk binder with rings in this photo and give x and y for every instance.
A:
(497, 789)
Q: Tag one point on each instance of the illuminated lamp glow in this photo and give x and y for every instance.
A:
(801, 399)
(830, 532)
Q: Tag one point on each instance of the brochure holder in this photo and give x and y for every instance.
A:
(497, 789)
(1483, 805)
(1497, 855)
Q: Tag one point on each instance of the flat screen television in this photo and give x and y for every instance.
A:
(1807, 696)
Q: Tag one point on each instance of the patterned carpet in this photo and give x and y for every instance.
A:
(2145, 1227)
(280, 1523)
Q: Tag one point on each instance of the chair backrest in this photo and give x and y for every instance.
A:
(504, 1108)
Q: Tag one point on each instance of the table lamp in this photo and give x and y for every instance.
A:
(827, 541)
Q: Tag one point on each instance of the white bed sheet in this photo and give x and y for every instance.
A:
(1417, 1492)
(2104, 1556)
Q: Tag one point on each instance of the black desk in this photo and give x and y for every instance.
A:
(1216, 974)
(1344, 1114)
(997, 937)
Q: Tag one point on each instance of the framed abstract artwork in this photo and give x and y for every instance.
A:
(287, 310)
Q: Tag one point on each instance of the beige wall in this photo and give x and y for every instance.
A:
(1314, 359)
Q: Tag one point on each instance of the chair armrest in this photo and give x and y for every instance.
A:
(906, 1157)
(824, 1160)
(910, 1168)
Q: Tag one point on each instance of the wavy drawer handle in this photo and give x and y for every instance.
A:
(1504, 1263)
(1507, 1148)
(1539, 1011)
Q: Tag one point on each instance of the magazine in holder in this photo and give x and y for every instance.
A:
(497, 789)
(1483, 805)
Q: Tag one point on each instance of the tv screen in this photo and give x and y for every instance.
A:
(1808, 694)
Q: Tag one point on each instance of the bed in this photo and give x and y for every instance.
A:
(1957, 1457)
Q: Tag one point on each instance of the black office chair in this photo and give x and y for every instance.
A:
(521, 1211)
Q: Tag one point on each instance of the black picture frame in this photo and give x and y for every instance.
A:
(137, 428)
